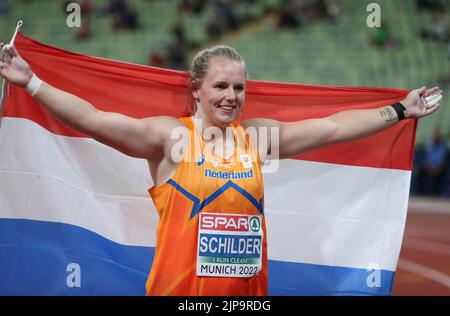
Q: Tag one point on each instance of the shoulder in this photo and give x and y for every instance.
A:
(162, 125)
(261, 133)
(163, 132)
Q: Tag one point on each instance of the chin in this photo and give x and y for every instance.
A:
(225, 120)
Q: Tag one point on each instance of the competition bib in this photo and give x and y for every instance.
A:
(229, 245)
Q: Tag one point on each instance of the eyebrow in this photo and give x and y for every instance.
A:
(224, 82)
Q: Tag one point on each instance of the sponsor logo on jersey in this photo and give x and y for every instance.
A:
(201, 161)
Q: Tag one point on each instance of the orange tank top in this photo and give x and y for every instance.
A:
(211, 235)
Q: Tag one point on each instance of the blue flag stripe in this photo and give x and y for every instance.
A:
(46, 250)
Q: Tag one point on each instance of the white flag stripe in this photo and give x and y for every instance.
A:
(94, 167)
(359, 220)
(76, 181)
(82, 182)
(125, 220)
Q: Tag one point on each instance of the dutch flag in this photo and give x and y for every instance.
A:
(76, 217)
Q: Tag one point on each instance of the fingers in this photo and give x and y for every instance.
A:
(433, 99)
(4, 52)
(13, 51)
(421, 90)
(1, 51)
(3, 68)
(432, 91)
(9, 50)
(432, 109)
(6, 58)
(4, 48)
(432, 102)
(434, 95)
(7, 53)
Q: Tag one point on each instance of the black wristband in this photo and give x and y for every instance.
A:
(400, 109)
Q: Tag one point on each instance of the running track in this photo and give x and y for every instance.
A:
(424, 264)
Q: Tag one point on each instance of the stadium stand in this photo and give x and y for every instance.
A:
(319, 51)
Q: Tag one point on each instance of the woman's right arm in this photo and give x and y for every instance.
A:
(141, 138)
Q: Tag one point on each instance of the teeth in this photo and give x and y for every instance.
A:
(227, 107)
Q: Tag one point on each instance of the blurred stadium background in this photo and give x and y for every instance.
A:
(325, 42)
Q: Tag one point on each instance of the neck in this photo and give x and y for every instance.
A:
(202, 124)
(219, 140)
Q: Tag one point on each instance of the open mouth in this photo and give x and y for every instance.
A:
(227, 108)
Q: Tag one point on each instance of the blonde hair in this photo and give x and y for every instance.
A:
(200, 65)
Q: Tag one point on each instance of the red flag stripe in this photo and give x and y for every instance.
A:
(142, 91)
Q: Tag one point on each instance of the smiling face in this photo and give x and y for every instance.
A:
(222, 92)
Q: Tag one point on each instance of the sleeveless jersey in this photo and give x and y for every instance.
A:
(211, 234)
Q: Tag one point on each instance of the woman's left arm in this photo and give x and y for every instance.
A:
(300, 136)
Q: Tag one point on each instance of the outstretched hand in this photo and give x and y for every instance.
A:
(422, 102)
(12, 66)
